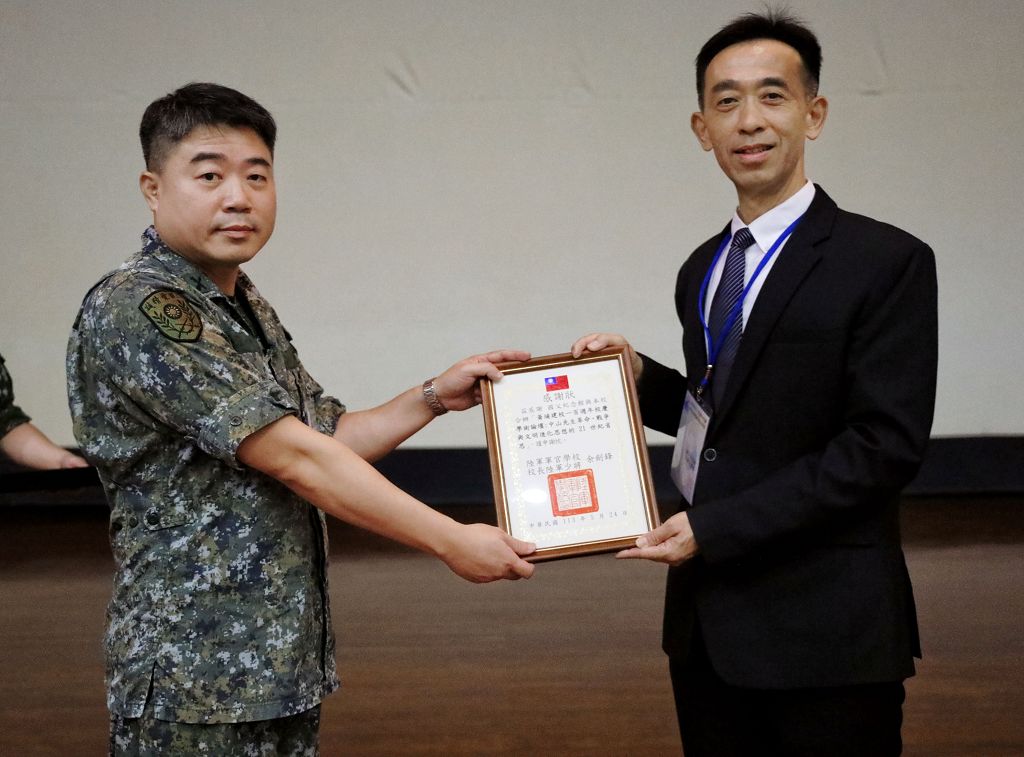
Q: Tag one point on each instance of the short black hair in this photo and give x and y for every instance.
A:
(173, 117)
(773, 24)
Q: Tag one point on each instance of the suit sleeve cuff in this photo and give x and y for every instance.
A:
(661, 392)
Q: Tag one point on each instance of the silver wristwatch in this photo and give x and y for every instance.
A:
(430, 396)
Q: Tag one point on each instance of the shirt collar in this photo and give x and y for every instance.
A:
(767, 227)
(154, 246)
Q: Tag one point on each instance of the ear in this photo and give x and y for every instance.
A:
(149, 183)
(701, 130)
(817, 112)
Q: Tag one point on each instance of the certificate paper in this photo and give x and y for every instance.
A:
(568, 457)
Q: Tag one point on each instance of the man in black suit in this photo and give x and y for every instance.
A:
(809, 336)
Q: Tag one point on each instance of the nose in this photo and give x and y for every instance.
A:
(235, 198)
(751, 118)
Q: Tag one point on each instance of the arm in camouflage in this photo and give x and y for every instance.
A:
(10, 414)
(326, 472)
(21, 441)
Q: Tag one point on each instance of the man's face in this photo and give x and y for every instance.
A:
(757, 113)
(214, 201)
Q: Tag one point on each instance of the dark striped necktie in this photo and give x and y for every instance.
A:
(728, 293)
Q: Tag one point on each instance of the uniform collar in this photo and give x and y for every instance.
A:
(155, 248)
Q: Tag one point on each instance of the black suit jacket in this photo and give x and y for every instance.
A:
(801, 579)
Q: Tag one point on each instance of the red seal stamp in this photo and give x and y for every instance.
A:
(573, 492)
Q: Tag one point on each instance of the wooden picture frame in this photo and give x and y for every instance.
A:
(568, 454)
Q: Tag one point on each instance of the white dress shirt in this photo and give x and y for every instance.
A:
(765, 229)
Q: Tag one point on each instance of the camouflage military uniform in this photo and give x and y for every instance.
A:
(220, 606)
(293, 736)
(10, 414)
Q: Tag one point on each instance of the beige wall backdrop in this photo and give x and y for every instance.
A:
(456, 175)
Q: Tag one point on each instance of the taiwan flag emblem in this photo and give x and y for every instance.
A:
(556, 383)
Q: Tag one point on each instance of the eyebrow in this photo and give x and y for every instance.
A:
(768, 81)
(202, 157)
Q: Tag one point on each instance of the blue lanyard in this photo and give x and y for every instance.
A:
(715, 346)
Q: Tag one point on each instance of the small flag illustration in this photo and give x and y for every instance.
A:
(556, 383)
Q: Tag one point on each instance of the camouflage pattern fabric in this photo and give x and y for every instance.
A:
(294, 736)
(220, 602)
(10, 414)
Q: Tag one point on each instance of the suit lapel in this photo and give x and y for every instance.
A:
(695, 349)
(796, 260)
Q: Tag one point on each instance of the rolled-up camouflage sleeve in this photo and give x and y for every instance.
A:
(203, 386)
(11, 416)
(328, 409)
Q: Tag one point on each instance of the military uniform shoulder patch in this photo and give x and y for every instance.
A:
(171, 313)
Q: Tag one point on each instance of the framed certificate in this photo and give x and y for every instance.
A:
(568, 455)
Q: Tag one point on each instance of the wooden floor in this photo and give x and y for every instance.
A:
(565, 664)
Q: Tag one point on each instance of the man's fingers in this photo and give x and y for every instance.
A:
(519, 568)
(655, 537)
(483, 366)
(595, 342)
(488, 554)
(505, 356)
(585, 343)
(482, 369)
(522, 569)
(519, 546)
(658, 553)
(589, 342)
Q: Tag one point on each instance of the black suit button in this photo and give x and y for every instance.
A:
(711, 454)
(133, 522)
(152, 518)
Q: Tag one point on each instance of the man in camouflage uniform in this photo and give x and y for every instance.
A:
(21, 441)
(214, 445)
(11, 416)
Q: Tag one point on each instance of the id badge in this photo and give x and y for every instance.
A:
(693, 427)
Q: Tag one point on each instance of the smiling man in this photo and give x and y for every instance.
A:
(809, 338)
(219, 455)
